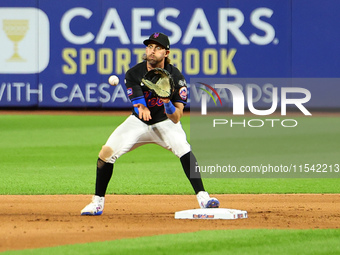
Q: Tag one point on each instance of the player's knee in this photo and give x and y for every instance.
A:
(105, 153)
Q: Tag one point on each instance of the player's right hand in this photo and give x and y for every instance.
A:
(144, 112)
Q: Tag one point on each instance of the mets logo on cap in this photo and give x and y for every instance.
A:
(155, 35)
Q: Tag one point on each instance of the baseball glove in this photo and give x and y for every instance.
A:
(160, 82)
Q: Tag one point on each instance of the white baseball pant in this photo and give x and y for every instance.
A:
(133, 133)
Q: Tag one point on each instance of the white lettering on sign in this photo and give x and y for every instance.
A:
(230, 23)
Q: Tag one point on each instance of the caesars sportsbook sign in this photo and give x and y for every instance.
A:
(60, 54)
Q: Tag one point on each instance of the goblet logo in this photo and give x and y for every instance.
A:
(15, 30)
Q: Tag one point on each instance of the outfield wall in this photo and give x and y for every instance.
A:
(61, 53)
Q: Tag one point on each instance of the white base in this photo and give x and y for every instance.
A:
(212, 214)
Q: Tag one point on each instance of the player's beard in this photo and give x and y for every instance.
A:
(153, 60)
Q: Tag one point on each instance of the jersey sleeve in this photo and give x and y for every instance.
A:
(181, 91)
(133, 88)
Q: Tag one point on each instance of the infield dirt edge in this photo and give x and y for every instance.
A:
(36, 221)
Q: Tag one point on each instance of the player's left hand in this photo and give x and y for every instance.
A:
(144, 112)
(160, 82)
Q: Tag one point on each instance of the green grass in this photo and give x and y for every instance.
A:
(313, 141)
(211, 242)
(44, 154)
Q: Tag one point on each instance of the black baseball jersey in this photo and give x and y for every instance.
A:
(137, 90)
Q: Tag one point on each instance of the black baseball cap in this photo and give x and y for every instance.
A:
(159, 38)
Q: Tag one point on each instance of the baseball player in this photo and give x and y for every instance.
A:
(153, 120)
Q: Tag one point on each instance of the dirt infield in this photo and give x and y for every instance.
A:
(45, 221)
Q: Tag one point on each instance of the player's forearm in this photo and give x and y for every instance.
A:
(175, 117)
(174, 112)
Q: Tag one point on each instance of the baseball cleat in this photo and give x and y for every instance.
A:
(212, 203)
(205, 201)
(96, 207)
